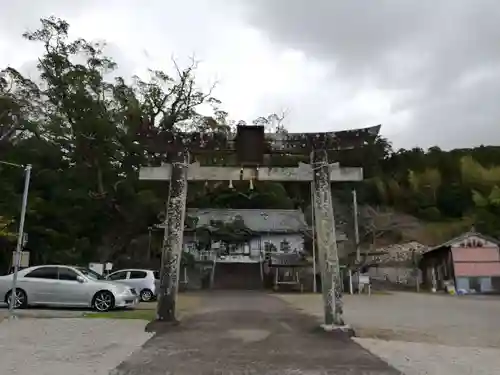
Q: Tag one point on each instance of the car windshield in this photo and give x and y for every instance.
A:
(157, 275)
(90, 274)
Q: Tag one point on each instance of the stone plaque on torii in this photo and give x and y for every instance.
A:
(250, 146)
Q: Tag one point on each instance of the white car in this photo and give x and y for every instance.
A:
(145, 282)
(56, 285)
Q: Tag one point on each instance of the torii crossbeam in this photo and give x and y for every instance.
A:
(251, 145)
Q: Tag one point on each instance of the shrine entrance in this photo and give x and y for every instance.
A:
(251, 153)
(288, 271)
(238, 275)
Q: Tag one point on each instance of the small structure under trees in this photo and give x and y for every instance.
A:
(469, 263)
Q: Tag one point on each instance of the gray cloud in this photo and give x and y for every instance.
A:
(430, 68)
(21, 15)
(444, 54)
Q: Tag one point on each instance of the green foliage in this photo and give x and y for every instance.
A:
(479, 200)
(430, 213)
(83, 133)
(453, 199)
(231, 234)
(438, 185)
(494, 197)
(5, 233)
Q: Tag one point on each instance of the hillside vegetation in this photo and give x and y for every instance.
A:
(450, 190)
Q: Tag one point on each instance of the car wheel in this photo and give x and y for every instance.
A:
(146, 295)
(21, 300)
(103, 301)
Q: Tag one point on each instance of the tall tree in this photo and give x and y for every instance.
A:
(91, 142)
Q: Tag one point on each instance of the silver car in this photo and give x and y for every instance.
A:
(66, 286)
(145, 282)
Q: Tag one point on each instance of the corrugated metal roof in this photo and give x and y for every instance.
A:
(462, 237)
(273, 221)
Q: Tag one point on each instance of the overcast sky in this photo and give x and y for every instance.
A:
(427, 70)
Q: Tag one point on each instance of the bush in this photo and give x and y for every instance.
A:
(430, 213)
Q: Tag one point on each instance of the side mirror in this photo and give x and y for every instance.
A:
(80, 279)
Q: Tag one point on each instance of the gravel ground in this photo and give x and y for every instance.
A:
(422, 333)
(67, 346)
(413, 358)
(417, 317)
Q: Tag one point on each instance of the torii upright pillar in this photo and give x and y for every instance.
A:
(327, 241)
(173, 238)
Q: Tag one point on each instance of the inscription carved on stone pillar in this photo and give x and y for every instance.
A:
(173, 241)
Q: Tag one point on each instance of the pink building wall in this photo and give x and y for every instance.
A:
(476, 261)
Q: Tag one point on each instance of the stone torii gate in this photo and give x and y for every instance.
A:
(252, 148)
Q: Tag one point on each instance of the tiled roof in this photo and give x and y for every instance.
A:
(398, 253)
(273, 221)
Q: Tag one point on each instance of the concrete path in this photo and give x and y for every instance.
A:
(67, 346)
(250, 333)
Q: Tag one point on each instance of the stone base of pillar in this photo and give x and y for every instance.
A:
(345, 329)
(160, 326)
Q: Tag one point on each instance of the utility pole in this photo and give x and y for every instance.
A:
(313, 222)
(414, 260)
(356, 225)
(148, 254)
(20, 236)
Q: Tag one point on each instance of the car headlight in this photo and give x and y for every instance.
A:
(120, 291)
(125, 292)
